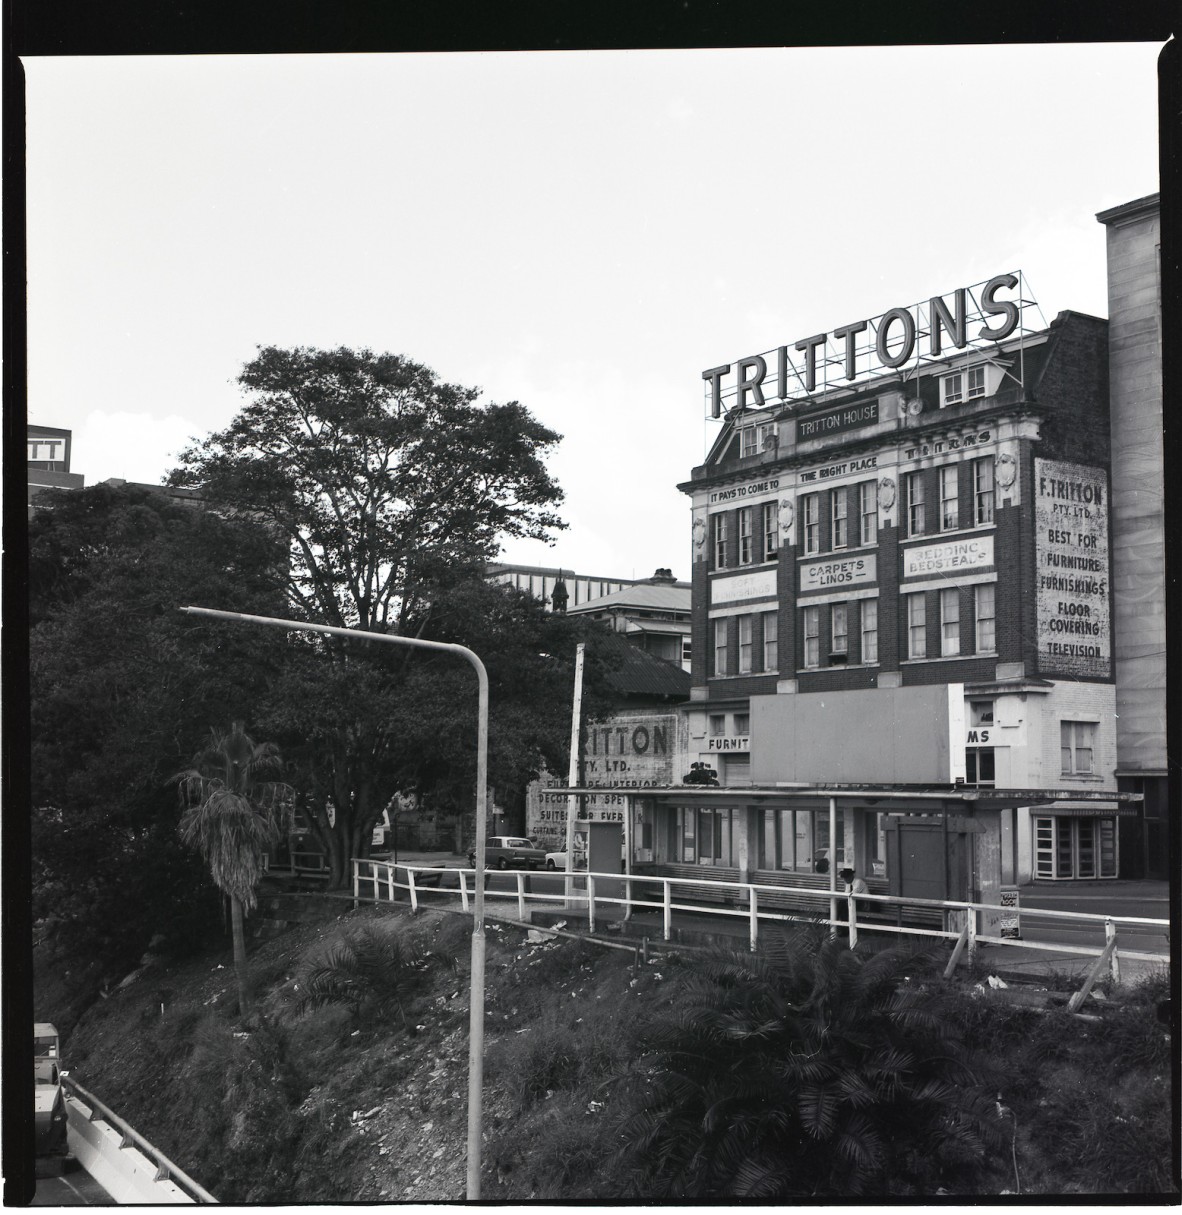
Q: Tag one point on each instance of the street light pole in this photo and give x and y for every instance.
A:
(476, 1001)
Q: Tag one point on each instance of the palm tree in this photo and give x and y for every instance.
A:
(809, 1071)
(235, 808)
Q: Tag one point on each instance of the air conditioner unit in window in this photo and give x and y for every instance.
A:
(771, 439)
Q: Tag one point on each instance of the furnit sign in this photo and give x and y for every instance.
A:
(970, 316)
(1071, 552)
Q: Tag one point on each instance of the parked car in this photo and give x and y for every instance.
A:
(557, 860)
(501, 851)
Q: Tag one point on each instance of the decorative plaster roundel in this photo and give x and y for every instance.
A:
(699, 533)
(1007, 469)
(785, 514)
(886, 493)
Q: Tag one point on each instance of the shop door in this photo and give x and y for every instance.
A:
(915, 864)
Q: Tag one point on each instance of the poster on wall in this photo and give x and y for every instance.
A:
(1071, 553)
(624, 752)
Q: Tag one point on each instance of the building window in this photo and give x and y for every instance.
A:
(1074, 847)
(913, 483)
(749, 441)
(771, 632)
(917, 626)
(1077, 747)
(811, 522)
(979, 766)
(745, 553)
(798, 840)
(980, 712)
(983, 490)
(986, 624)
(745, 644)
(839, 642)
(720, 647)
(963, 385)
(771, 531)
(704, 836)
(949, 497)
(717, 725)
(718, 522)
(840, 507)
(868, 511)
(949, 622)
(687, 652)
(812, 636)
(754, 439)
(869, 630)
(742, 724)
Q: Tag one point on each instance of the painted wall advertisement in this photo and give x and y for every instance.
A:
(625, 752)
(1071, 552)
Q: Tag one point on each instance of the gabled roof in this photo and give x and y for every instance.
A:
(664, 597)
(642, 674)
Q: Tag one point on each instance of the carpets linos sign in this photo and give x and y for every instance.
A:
(968, 317)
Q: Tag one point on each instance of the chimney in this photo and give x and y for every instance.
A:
(662, 576)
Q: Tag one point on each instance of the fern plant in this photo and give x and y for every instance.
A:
(372, 974)
(808, 1071)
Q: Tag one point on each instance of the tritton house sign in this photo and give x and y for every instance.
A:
(972, 317)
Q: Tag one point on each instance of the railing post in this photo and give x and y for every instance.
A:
(390, 881)
(590, 902)
(852, 900)
(628, 900)
(463, 889)
(520, 896)
(373, 873)
(754, 920)
(668, 910)
(957, 949)
(414, 894)
(971, 925)
(1110, 939)
(356, 884)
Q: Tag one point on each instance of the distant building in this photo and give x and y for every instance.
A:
(540, 582)
(654, 615)
(1138, 526)
(49, 461)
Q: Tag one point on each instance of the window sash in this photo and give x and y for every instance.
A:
(976, 382)
(839, 633)
(720, 647)
(840, 509)
(917, 633)
(812, 636)
(953, 389)
(771, 641)
(1077, 748)
(745, 634)
(868, 511)
(949, 623)
(949, 497)
(748, 436)
(812, 523)
(745, 536)
(983, 491)
(718, 522)
(915, 519)
(771, 530)
(869, 630)
(986, 623)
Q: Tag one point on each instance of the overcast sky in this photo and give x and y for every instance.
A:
(583, 232)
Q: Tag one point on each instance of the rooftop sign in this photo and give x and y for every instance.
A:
(969, 317)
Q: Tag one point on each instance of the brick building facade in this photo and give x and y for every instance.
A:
(939, 525)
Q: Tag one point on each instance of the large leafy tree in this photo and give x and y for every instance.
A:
(388, 486)
(379, 476)
(236, 807)
(810, 1071)
(123, 688)
(375, 720)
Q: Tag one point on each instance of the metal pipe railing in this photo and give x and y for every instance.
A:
(166, 1169)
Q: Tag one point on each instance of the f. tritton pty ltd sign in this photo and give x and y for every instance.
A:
(972, 317)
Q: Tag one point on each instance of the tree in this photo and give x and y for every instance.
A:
(411, 714)
(388, 486)
(123, 687)
(811, 1071)
(236, 808)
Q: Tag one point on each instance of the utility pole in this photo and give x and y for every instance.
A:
(476, 996)
(573, 779)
